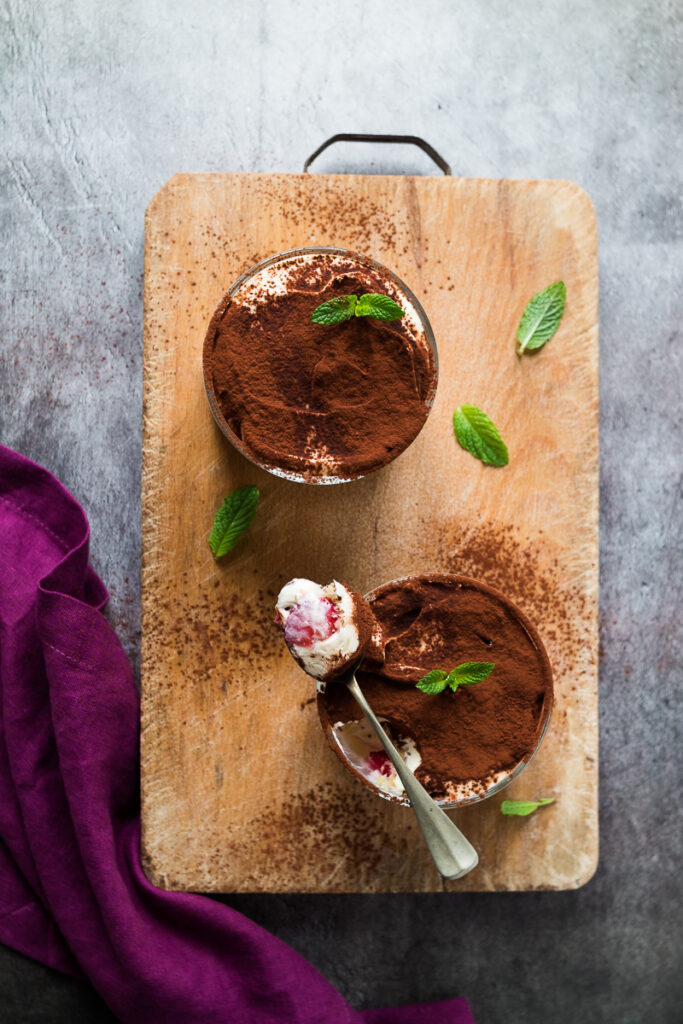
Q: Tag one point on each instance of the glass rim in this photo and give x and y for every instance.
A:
(447, 803)
(216, 411)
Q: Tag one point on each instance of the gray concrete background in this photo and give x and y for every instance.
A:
(100, 104)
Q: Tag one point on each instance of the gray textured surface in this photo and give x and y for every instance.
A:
(100, 104)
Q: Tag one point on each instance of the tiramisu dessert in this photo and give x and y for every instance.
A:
(323, 398)
(325, 628)
(462, 681)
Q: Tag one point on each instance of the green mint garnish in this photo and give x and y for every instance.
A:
(467, 674)
(379, 307)
(336, 311)
(478, 435)
(232, 519)
(541, 318)
(524, 807)
(434, 682)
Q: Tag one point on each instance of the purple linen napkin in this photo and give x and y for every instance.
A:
(72, 892)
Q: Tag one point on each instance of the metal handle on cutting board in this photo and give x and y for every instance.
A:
(412, 140)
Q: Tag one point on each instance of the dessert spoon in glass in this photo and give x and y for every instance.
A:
(453, 854)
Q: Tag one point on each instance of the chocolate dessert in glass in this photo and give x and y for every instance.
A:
(319, 402)
(465, 742)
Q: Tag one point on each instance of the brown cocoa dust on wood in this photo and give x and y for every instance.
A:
(331, 826)
(528, 571)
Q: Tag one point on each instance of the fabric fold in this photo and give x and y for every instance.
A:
(72, 890)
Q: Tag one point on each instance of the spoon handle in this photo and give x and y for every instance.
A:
(453, 854)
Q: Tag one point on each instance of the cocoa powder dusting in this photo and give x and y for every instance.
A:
(202, 635)
(309, 836)
(467, 737)
(338, 400)
(532, 573)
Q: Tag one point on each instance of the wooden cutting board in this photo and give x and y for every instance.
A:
(239, 789)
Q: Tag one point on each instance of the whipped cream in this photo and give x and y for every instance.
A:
(362, 749)
(319, 624)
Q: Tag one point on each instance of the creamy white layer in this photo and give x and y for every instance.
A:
(360, 746)
(358, 743)
(322, 656)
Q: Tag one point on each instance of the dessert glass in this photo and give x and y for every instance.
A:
(352, 761)
(275, 261)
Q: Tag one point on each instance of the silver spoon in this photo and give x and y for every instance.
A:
(453, 854)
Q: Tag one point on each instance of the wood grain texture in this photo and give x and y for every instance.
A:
(239, 790)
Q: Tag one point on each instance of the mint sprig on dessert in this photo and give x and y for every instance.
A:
(541, 318)
(379, 307)
(345, 307)
(479, 436)
(522, 808)
(466, 674)
(335, 311)
(435, 681)
(232, 519)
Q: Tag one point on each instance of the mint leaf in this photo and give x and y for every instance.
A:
(379, 307)
(335, 311)
(469, 673)
(524, 807)
(434, 682)
(478, 435)
(232, 519)
(541, 318)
